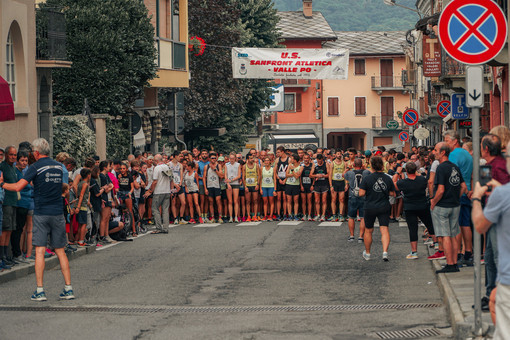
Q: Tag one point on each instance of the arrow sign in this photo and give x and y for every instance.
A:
(474, 86)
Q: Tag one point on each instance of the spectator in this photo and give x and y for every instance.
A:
(160, 189)
(9, 205)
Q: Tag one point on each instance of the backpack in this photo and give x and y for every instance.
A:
(358, 176)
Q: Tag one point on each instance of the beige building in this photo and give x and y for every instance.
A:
(357, 110)
(17, 60)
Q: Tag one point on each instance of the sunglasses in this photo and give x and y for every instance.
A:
(212, 157)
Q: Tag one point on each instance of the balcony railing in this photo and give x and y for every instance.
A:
(387, 83)
(51, 35)
(296, 82)
(451, 68)
(409, 77)
(379, 122)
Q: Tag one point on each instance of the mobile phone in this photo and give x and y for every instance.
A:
(485, 174)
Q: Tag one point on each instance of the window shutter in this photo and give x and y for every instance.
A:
(363, 106)
(298, 102)
(333, 107)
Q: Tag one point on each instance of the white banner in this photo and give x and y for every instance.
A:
(279, 63)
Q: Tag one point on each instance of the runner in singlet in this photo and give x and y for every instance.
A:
(282, 162)
(233, 175)
(320, 187)
(251, 176)
(306, 191)
(337, 182)
(178, 189)
(292, 186)
(212, 174)
(267, 189)
(192, 189)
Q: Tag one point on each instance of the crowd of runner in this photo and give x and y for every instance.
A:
(106, 201)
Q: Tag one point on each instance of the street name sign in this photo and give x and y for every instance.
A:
(459, 108)
(410, 117)
(392, 124)
(444, 108)
(474, 88)
(472, 31)
(403, 136)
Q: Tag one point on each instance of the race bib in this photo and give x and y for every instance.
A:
(338, 177)
(281, 174)
(250, 181)
(307, 180)
(291, 180)
(268, 180)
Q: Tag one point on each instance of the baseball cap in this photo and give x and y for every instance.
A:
(150, 157)
(368, 153)
(221, 159)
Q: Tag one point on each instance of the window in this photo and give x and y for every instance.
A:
(333, 109)
(292, 102)
(10, 66)
(359, 67)
(175, 21)
(360, 106)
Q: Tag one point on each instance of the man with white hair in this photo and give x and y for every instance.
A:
(495, 213)
(47, 178)
(160, 189)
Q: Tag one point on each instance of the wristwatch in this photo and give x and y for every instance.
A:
(476, 199)
(2, 184)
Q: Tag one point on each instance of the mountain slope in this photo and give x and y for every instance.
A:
(359, 15)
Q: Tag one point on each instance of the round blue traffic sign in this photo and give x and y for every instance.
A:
(410, 117)
(403, 136)
(472, 31)
(444, 108)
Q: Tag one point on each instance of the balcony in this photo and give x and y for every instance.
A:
(171, 54)
(296, 82)
(387, 83)
(453, 73)
(409, 77)
(379, 122)
(51, 48)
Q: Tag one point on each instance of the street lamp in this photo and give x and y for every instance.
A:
(393, 3)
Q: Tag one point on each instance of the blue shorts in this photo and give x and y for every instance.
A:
(355, 204)
(1, 218)
(465, 212)
(268, 192)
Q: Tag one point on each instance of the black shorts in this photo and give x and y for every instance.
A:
(321, 187)
(113, 225)
(382, 215)
(280, 187)
(292, 190)
(224, 194)
(214, 192)
(338, 186)
(181, 191)
(251, 189)
(241, 192)
(307, 189)
(81, 217)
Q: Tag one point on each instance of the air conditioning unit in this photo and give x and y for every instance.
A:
(318, 86)
(318, 95)
(317, 104)
(273, 126)
(317, 114)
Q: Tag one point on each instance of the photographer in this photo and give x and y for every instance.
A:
(414, 188)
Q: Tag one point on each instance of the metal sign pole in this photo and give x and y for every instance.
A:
(478, 330)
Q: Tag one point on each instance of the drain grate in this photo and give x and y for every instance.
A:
(410, 333)
(219, 309)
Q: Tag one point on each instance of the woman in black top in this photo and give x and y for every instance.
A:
(126, 188)
(377, 188)
(415, 204)
(106, 200)
(95, 197)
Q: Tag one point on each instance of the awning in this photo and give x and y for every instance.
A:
(6, 104)
(294, 139)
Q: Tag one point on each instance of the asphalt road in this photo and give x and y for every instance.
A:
(256, 281)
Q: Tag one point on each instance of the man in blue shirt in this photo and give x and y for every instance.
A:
(463, 159)
(497, 214)
(47, 178)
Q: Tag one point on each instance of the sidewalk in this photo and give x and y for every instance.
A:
(457, 290)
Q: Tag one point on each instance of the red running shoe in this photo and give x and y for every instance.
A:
(439, 255)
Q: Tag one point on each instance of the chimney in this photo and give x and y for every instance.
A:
(307, 8)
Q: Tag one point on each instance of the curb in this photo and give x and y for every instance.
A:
(22, 270)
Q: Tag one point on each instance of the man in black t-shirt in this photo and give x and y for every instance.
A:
(445, 206)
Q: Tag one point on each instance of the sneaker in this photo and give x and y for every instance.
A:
(360, 239)
(428, 241)
(316, 218)
(366, 256)
(310, 219)
(3, 265)
(332, 218)
(248, 219)
(412, 256)
(401, 219)
(438, 255)
(192, 221)
(220, 220)
(358, 219)
(449, 268)
(236, 220)
(67, 295)
(322, 219)
(341, 219)
(21, 259)
(436, 246)
(176, 221)
(31, 258)
(183, 221)
(200, 220)
(385, 256)
(39, 296)
(350, 239)
(243, 219)
(109, 239)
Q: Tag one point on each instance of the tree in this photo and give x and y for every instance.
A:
(111, 46)
(215, 98)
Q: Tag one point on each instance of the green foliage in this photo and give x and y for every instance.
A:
(215, 98)
(111, 45)
(71, 135)
(117, 139)
(359, 15)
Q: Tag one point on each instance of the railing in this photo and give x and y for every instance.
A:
(387, 82)
(51, 35)
(296, 82)
(379, 122)
(451, 68)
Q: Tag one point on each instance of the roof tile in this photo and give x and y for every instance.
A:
(294, 25)
(369, 42)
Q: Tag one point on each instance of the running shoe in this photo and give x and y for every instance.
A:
(360, 239)
(322, 219)
(67, 294)
(183, 221)
(236, 220)
(350, 239)
(310, 219)
(243, 219)
(412, 256)
(316, 218)
(436, 246)
(331, 218)
(428, 241)
(3, 265)
(248, 219)
(385, 256)
(192, 221)
(41, 296)
(296, 218)
(449, 268)
(303, 218)
(366, 256)
(358, 219)
(438, 255)
(200, 220)
(176, 221)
